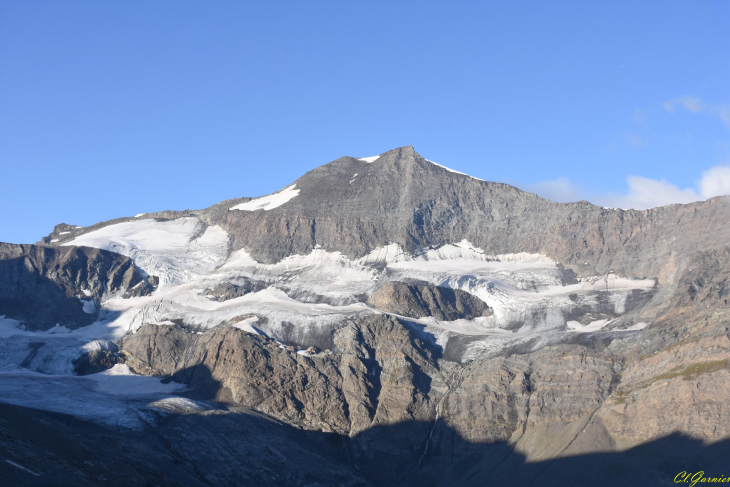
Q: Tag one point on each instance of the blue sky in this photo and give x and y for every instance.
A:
(109, 109)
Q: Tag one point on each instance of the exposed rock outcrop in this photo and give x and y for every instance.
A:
(95, 361)
(381, 374)
(225, 291)
(42, 286)
(418, 301)
(683, 388)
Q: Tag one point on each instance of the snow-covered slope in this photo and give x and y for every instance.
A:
(303, 297)
(175, 251)
(269, 202)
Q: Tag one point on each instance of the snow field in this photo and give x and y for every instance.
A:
(269, 202)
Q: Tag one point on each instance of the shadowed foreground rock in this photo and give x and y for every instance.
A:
(241, 447)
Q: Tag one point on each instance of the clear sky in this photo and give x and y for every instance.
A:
(110, 109)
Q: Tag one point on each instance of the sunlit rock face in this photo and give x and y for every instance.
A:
(421, 301)
(412, 313)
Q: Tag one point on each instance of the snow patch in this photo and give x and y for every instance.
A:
(451, 170)
(369, 160)
(121, 380)
(575, 326)
(269, 202)
(636, 327)
(54, 240)
(89, 306)
(139, 215)
(320, 272)
(592, 326)
(22, 468)
(58, 330)
(247, 325)
(117, 397)
(180, 405)
(63, 233)
(465, 244)
(383, 255)
(171, 250)
(9, 327)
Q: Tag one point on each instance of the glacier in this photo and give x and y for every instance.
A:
(303, 297)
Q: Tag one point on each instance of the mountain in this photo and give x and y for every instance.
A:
(398, 321)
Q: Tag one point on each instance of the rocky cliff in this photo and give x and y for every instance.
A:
(420, 301)
(42, 287)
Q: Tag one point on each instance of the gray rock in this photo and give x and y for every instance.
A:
(420, 301)
(42, 287)
(95, 361)
(403, 198)
(158, 349)
(225, 291)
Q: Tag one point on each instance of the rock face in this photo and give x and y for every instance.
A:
(410, 416)
(379, 375)
(407, 414)
(42, 286)
(95, 361)
(225, 291)
(405, 199)
(158, 350)
(682, 388)
(421, 301)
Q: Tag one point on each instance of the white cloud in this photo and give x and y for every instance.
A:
(562, 190)
(695, 105)
(715, 182)
(638, 116)
(649, 193)
(689, 103)
(635, 141)
(722, 111)
(642, 192)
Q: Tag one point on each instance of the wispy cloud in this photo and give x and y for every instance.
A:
(562, 190)
(694, 104)
(689, 103)
(638, 116)
(635, 141)
(723, 111)
(642, 193)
